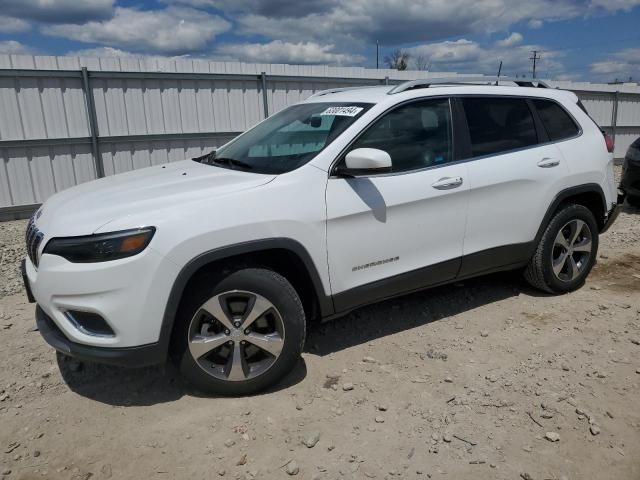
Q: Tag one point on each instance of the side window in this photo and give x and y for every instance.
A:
(416, 135)
(499, 124)
(557, 122)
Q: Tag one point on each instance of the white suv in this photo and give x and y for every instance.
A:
(352, 196)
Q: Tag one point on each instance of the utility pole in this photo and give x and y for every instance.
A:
(535, 58)
(377, 54)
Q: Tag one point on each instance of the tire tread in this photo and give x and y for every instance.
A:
(536, 271)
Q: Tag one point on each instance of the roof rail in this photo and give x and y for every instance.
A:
(342, 89)
(482, 80)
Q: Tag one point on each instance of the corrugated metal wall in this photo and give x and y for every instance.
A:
(150, 111)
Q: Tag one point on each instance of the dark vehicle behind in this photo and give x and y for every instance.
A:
(630, 183)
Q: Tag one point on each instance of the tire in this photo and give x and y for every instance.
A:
(571, 269)
(229, 310)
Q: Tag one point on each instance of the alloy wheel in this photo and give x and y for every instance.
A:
(571, 250)
(236, 335)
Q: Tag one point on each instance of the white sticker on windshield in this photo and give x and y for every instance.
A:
(343, 111)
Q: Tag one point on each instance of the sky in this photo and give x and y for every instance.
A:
(596, 40)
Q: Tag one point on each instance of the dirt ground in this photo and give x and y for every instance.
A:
(470, 380)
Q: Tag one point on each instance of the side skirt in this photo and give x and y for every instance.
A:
(496, 259)
(509, 257)
(396, 285)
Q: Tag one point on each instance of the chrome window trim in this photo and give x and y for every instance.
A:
(456, 162)
(345, 150)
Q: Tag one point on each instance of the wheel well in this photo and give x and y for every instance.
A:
(282, 261)
(592, 200)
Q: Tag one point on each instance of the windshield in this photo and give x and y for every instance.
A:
(288, 139)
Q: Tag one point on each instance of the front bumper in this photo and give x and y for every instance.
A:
(141, 356)
(25, 280)
(129, 295)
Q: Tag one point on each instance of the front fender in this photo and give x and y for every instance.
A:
(190, 268)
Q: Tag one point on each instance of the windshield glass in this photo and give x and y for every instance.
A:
(288, 139)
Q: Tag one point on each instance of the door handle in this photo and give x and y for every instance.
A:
(447, 183)
(548, 162)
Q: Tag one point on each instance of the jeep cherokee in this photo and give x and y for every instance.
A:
(350, 197)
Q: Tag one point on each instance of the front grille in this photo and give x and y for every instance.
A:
(33, 238)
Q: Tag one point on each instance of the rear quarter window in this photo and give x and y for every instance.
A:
(557, 122)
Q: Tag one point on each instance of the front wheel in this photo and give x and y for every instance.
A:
(566, 252)
(242, 334)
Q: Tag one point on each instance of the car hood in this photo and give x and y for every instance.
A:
(83, 209)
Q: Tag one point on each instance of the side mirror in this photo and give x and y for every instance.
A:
(367, 160)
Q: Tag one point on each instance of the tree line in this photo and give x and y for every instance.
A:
(401, 60)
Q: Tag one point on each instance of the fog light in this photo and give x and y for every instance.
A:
(90, 323)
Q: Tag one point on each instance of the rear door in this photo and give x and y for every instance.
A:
(395, 232)
(514, 174)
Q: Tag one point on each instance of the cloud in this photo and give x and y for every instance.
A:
(392, 22)
(296, 8)
(12, 47)
(569, 77)
(610, 66)
(466, 56)
(274, 52)
(109, 52)
(13, 25)
(58, 11)
(622, 64)
(270, 8)
(614, 5)
(171, 31)
(448, 52)
(278, 51)
(514, 39)
(321, 31)
(101, 52)
(535, 23)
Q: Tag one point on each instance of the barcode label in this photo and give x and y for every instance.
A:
(342, 111)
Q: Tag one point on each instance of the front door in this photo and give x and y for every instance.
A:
(399, 231)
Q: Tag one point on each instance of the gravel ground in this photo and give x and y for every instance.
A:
(482, 379)
(12, 251)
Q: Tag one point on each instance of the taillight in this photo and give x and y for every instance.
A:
(609, 141)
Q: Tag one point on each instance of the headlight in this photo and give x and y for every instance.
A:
(102, 247)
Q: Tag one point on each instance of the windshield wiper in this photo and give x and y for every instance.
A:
(210, 159)
(232, 162)
(206, 158)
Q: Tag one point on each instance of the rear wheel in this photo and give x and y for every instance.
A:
(566, 252)
(242, 334)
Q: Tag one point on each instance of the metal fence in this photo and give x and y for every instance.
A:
(68, 120)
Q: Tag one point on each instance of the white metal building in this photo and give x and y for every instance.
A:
(68, 120)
